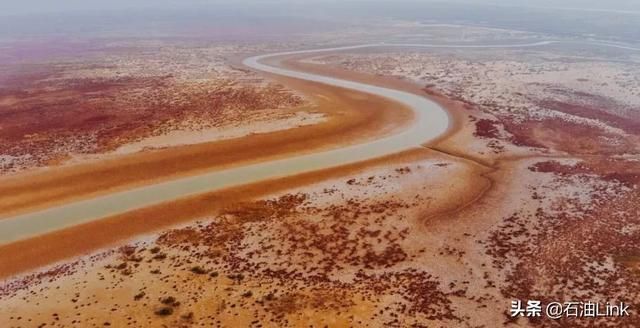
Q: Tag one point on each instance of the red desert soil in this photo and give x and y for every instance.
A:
(555, 222)
(35, 252)
(340, 247)
(565, 230)
(347, 123)
(93, 116)
(347, 119)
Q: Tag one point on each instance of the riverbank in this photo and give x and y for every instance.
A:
(380, 117)
(346, 123)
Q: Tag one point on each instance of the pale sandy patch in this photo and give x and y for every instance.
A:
(230, 131)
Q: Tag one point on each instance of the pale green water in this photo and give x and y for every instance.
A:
(431, 122)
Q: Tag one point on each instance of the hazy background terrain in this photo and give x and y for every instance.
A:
(40, 6)
(617, 20)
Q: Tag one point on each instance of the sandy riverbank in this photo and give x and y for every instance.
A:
(404, 194)
(405, 239)
(346, 123)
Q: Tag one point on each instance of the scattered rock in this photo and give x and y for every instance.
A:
(160, 256)
(164, 311)
(198, 270)
(169, 300)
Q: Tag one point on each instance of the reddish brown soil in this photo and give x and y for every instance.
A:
(486, 128)
(563, 249)
(347, 124)
(92, 116)
(519, 239)
(600, 109)
(562, 256)
(284, 261)
(555, 134)
(29, 254)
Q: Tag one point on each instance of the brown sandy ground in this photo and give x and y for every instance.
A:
(439, 237)
(349, 249)
(373, 242)
(346, 122)
(562, 219)
(94, 106)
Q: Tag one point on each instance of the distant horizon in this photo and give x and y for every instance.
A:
(618, 21)
(30, 7)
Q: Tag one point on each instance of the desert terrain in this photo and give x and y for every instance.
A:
(533, 192)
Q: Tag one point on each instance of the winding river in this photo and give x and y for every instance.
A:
(431, 122)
